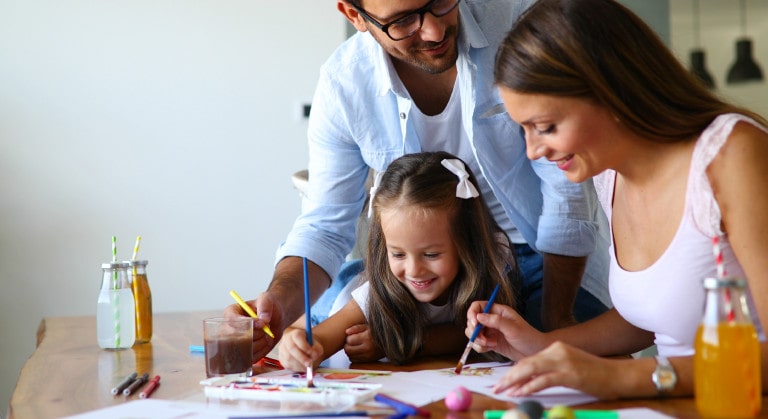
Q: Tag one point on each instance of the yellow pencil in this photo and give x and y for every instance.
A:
(250, 311)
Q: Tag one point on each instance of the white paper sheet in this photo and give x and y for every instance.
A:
(174, 409)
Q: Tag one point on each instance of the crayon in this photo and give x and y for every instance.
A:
(402, 407)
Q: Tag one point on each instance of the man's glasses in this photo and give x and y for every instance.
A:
(406, 26)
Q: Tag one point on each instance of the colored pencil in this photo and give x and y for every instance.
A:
(362, 413)
(402, 407)
(250, 312)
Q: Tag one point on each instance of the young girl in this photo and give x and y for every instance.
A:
(600, 95)
(433, 249)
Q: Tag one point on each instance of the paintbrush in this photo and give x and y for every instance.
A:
(475, 332)
(307, 315)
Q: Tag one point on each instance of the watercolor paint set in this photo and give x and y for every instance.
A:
(284, 388)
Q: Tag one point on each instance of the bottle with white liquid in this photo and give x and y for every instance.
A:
(115, 309)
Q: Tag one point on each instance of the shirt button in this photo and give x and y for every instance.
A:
(402, 115)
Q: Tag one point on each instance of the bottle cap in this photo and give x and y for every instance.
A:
(114, 265)
(728, 282)
(137, 262)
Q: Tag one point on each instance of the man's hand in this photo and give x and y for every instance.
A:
(269, 312)
(282, 303)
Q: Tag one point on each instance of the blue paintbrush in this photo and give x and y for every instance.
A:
(476, 332)
(307, 314)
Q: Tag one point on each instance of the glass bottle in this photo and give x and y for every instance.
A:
(727, 358)
(115, 312)
(137, 269)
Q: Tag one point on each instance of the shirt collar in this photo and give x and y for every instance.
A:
(469, 29)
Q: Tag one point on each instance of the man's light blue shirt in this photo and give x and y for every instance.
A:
(359, 120)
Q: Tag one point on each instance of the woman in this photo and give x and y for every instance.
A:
(599, 94)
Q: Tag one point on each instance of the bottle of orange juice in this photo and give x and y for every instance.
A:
(727, 359)
(142, 295)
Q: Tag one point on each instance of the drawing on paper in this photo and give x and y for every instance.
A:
(471, 371)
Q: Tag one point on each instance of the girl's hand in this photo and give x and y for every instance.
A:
(295, 352)
(564, 365)
(504, 331)
(359, 344)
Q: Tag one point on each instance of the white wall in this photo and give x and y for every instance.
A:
(720, 23)
(177, 120)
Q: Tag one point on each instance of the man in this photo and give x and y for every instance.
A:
(418, 77)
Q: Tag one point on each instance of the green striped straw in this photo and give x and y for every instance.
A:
(116, 300)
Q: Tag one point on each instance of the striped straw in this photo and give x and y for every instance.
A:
(731, 315)
(116, 300)
(718, 257)
(136, 248)
(135, 252)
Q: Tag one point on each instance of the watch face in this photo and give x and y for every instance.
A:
(664, 378)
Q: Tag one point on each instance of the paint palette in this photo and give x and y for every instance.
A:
(282, 388)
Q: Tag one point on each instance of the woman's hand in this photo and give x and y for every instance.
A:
(564, 365)
(504, 331)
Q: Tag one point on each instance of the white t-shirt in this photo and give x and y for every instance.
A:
(436, 314)
(439, 133)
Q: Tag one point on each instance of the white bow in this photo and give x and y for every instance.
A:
(465, 189)
(374, 188)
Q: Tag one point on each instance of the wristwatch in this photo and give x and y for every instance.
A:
(664, 377)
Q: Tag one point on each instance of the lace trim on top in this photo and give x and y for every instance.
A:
(706, 211)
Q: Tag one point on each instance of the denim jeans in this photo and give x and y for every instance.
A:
(531, 265)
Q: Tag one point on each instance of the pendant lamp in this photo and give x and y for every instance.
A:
(745, 69)
(698, 62)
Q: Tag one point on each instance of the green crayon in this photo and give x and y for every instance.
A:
(580, 414)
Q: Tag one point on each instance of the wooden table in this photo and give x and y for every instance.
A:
(68, 373)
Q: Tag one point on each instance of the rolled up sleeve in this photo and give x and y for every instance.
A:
(568, 224)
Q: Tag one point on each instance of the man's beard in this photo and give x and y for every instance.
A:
(443, 64)
(432, 66)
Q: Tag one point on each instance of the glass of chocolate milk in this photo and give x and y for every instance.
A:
(228, 346)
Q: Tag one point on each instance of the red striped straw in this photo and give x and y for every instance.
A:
(718, 257)
(721, 275)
